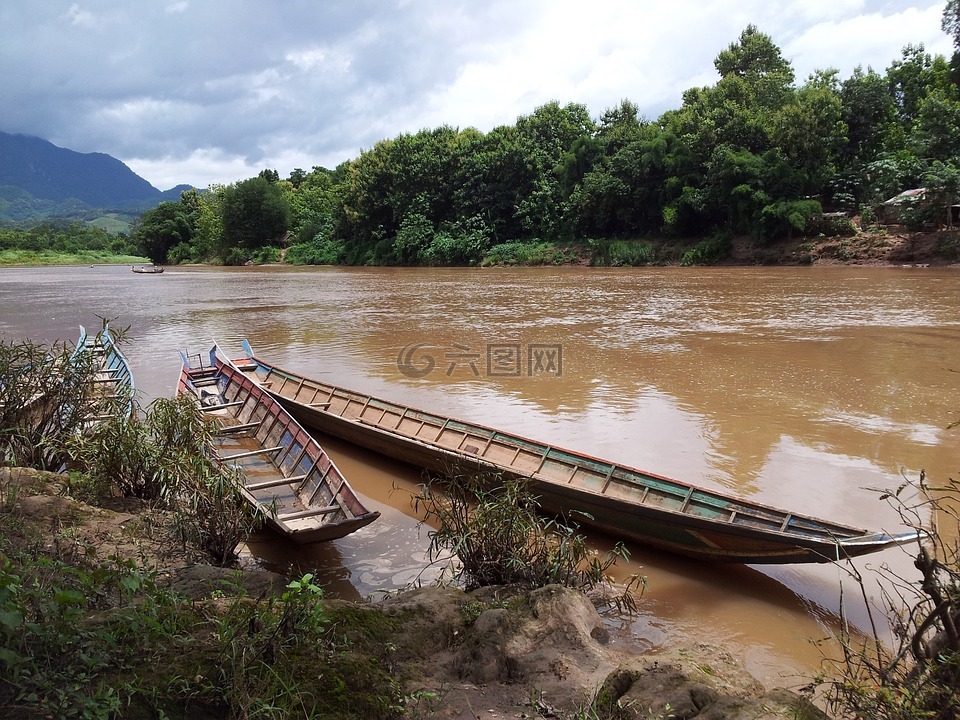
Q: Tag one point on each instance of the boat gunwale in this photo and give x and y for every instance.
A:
(854, 537)
(345, 520)
(113, 359)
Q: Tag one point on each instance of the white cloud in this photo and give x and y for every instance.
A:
(201, 167)
(185, 88)
(79, 17)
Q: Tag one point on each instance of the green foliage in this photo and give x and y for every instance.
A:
(742, 157)
(166, 456)
(45, 402)
(161, 229)
(524, 253)
(830, 225)
(67, 629)
(708, 252)
(783, 218)
(90, 639)
(621, 253)
(254, 213)
(322, 251)
(62, 243)
(413, 238)
(949, 245)
(265, 255)
(494, 528)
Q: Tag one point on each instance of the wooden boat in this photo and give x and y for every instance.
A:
(152, 270)
(286, 473)
(615, 499)
(111, 380)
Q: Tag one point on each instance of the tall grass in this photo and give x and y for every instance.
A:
(496, 531)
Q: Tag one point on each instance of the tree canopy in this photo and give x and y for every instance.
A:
(755, 154)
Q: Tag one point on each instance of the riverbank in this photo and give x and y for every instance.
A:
(887, 246)
(430, 652)
(41, 258)
(893, 246)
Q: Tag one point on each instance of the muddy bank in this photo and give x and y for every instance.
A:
(494, 652)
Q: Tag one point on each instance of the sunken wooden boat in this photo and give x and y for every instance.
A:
(615, 499)
(286, 473)
(111, 391)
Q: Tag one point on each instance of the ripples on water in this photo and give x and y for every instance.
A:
(798, 387)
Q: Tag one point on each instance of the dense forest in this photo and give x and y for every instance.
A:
(757, 154)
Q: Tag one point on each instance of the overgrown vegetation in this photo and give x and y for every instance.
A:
(61, 243)
(919, 677)
(494, 528)
(755, 154)
(51, 419)
(47, 398)
(166, 456)
(87, 637)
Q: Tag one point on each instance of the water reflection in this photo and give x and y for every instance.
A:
(798, 387)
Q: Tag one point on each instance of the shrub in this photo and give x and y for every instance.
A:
(167, 456)
(45, 402)
(709, 251)
(264, 255)
(830, 225)
(785, 217)
(494, 527)
(320, 251)
(621, 253)
(533, 252)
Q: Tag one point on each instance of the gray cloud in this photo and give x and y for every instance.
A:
(206, 91)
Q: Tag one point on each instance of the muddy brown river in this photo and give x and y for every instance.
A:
(805, 388)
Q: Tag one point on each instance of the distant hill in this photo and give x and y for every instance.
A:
(39, 180)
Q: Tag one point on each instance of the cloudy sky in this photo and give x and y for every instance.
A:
(213, 91)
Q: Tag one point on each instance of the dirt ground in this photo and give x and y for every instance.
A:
(493, 653)
(888, 246)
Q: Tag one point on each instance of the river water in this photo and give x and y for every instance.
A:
(805, 388)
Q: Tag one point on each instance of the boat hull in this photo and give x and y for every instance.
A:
(111, 382)
(286, 473)
(616, 500)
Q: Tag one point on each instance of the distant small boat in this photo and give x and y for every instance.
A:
(613, 498)
(152, 270)
(111, 381)
(287, 474)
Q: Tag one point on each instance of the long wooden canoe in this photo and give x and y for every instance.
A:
(615, 499)
(286, 472)
(112, 388)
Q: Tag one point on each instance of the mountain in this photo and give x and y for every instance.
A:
(40, 180)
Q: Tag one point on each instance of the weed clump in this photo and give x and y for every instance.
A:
(495, 529)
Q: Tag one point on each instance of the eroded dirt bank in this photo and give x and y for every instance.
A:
(492, 653)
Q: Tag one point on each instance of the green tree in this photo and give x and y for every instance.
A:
(951, 22)
(936, 132)
(413, 238)
(255, 214)
(868, 113)
(160, 229)
(547, 139)
(915, 76)
(757, 60)
(810, 131)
